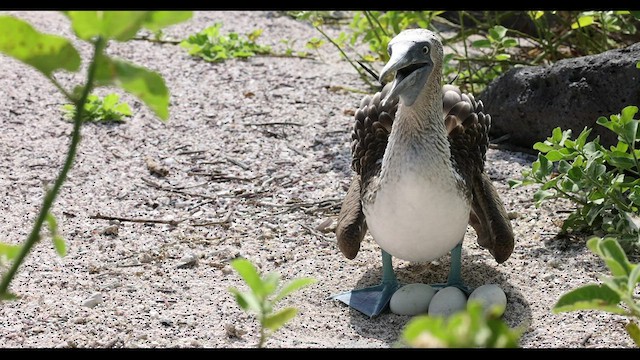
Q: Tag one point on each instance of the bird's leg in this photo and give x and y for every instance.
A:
(455, 277)
(373, 300)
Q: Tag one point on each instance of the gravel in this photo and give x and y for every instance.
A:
(231, 186)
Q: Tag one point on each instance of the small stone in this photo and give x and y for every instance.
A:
(548, 277)
(188, 261)
(166, 322)
(447, 302)
(93, 300)
(79, 320)
(490, 295)
(226, 270)
(169, 161)
(233, 332)
(412, 299)
(555, 263)
(145, 258)
(325, 226)
(110, 230)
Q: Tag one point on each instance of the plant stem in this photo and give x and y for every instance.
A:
(570, 197)
(362, 75)
(52, 193)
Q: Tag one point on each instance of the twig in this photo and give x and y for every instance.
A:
(225, 220)
(129, 265)
(199, 205)
(238, 163)
(314, 232)
(160, 187)
(191, 152)
(296, 150)
(99, 216)
(159, 41)
(218, 176)
(275, 123)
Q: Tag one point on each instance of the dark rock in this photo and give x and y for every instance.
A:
(528, 102)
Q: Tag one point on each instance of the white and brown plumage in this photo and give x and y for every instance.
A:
(418, 154)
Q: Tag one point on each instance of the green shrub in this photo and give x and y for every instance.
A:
(603, 183)
(100, 110)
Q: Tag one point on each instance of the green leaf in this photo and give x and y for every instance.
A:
(498, 32)
(634, 278)
(502, 57)
(629, 131)
(482, 43)
(582, 138)
(248, 273)
(156, 20)
(145, 84)
(554, 155)
(9, 251)
(292, 286)
(535, 15)
(556, 135)
(583, 21)
(116, 25)
(275, 321)
(47, 53)
(270, 283)
(564, 166)
(542, 147)
(611, 249)
(514, 183)
(247, 300)
(634, 332)
(509, 42)
(628, 112)
(60, 245)
(541, 195)
(123, 108)
(589, 297)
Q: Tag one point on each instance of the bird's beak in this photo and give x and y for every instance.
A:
(404, 55)
(398, 60)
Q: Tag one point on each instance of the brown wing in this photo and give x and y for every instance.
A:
(369, 140)
(468, 128)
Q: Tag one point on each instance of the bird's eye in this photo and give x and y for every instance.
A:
(389, 50)
(425, 50)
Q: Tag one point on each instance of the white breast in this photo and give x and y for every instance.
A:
(416, 220)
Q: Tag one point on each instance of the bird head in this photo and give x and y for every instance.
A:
(415, 57)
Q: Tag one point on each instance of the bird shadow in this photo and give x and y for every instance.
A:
(388, 326)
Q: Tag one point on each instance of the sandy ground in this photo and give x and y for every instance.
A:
(263, 189)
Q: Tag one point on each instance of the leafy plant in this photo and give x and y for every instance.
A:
(257, 299)
(616, 294)
(556, 35)
(469, 329)
(602, 183)
(212, 46)
(51, 53)
(97, 109)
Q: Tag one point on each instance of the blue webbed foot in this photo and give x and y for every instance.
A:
(370, 301)
(373, 300)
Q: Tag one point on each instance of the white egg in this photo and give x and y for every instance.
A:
(447, 301)
(490, 295)
(412, 299)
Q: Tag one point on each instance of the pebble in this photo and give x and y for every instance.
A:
(490, 295)
(93, 300)
(145, 258)
(188, 261)
(412, 299)
(447, 301)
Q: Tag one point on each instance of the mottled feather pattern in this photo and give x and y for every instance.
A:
(468, 128)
